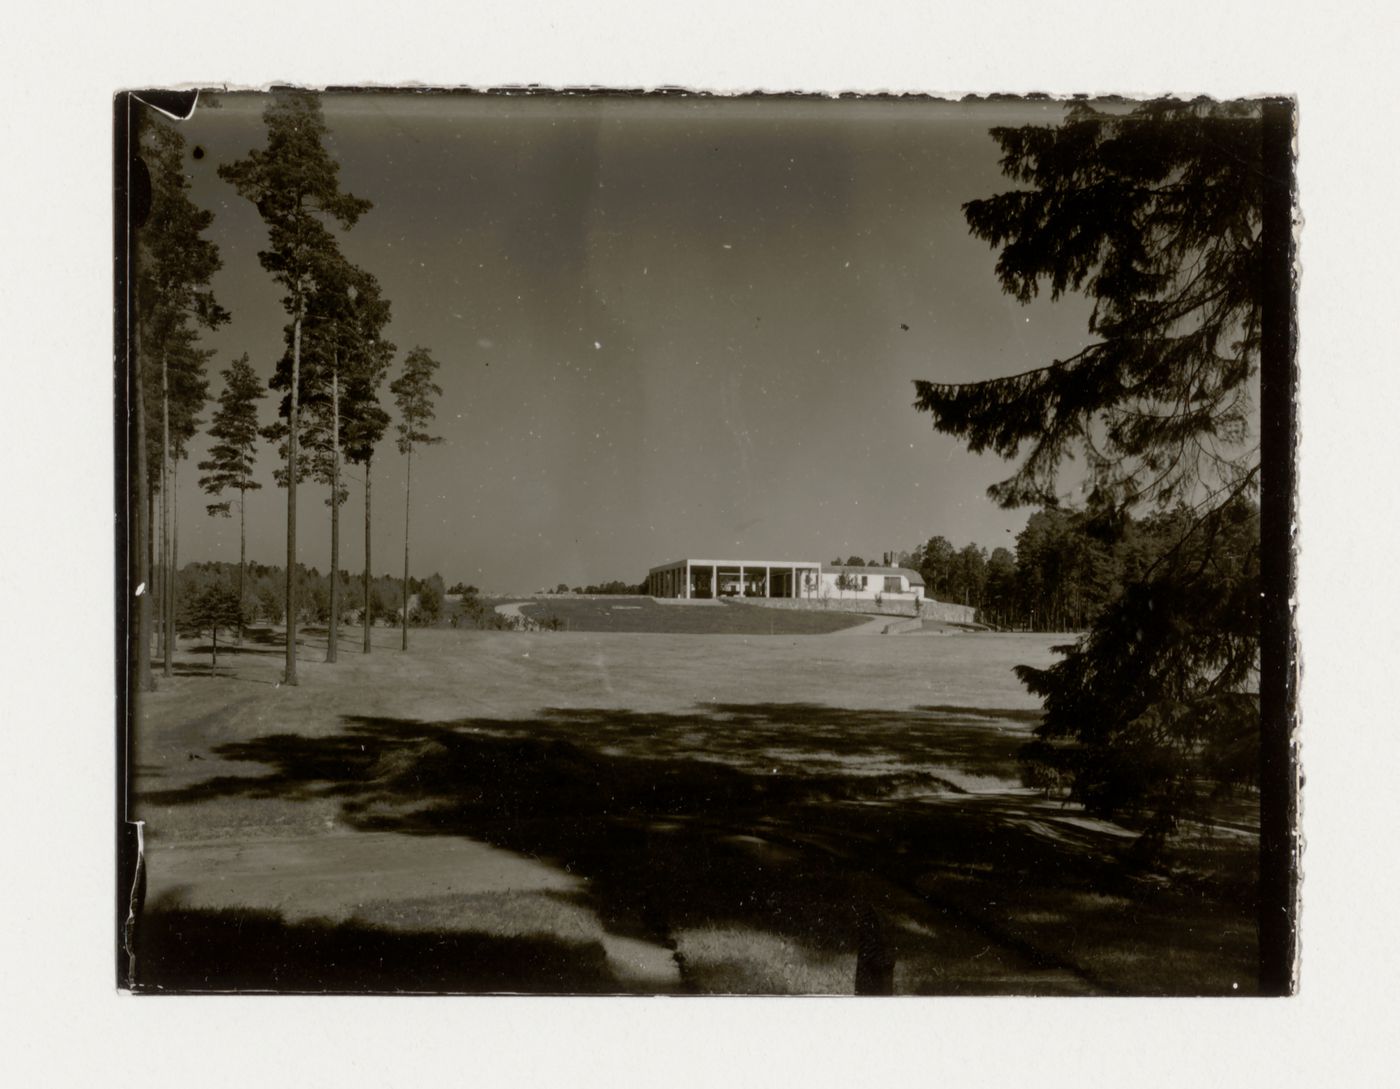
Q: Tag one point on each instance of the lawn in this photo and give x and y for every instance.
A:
(645, 614)
(622, 812)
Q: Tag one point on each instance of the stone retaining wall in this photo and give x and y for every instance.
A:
(928, 610)
(948, 612)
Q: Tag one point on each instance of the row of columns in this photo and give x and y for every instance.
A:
(677, 581)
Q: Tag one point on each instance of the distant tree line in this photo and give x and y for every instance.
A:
(614, 587)
(263, 600)
(1066, 567)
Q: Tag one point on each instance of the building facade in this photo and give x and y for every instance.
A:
(868, 583)
(803, 579)
(708, 578)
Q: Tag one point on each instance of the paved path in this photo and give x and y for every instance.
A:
(875, 625)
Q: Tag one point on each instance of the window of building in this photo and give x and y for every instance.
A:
(892, 584)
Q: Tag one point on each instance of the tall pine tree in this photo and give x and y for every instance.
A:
(234, 430)
(294, 183)
(363, 420)
(172, 296)
(344, 360)
(415, 393)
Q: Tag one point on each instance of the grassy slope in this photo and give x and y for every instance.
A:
(581, 812)
(643, 614)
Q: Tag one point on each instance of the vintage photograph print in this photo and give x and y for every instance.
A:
(612, 543)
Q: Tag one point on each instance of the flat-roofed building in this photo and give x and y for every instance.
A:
(714, 578)
(709, 578)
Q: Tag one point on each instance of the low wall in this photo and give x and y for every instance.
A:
(948, 612)
(928, 610)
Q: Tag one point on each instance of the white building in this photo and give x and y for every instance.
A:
(701, 578)
(708, 578)
(868, 583)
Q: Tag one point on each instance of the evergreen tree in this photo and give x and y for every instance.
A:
(344, 361)
(294, 184)
(415, 393)
(936, 565)
(1001, 587)
(186, 391)
(971, 575)
(351, 313)
(210, 608)
(234, 429)
(1155, 214)
(366, 421)
(174, 264)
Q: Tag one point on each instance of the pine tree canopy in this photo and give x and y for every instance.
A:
(415, 392)
(174, 263)
(174, 260)
(213, 607)
(234, 430)
(294, 183)
(1154, 214)
(342, 333)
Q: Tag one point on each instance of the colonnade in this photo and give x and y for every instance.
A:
(778, 579)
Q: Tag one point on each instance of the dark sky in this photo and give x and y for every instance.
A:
(667, 327)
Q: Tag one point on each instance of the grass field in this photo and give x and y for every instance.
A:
(645, 614)
(619, 812)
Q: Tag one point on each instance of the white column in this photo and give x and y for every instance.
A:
(742, 587)
(687, 579)
(714, 580)
(767, 581)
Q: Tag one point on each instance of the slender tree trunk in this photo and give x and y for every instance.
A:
(407, 500)
(289, 675)
(153, 588)
(174, 548)
(163, 565)
(168, 613)
(160, 561)
(145, 682)
(333, 634)
(368, 617)
(242, 555)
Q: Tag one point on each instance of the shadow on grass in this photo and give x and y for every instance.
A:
(234, 650)
(189, 669)
(185, 949)
(206, 669)
(795, 820)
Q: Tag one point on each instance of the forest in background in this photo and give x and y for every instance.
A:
(1066, 565)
